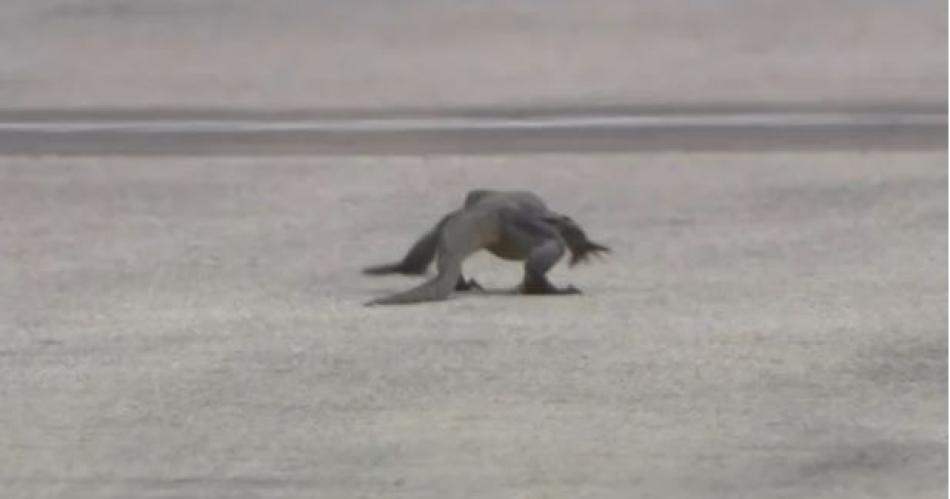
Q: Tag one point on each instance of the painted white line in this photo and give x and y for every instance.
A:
(768, 120)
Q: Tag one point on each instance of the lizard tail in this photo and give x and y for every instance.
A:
(435, 289)
(418, 258)
(389, 268)
(457, 241)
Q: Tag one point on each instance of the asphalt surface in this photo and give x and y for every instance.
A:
(769, 325)
(377, 54)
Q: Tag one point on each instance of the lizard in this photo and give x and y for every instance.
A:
(513, 225)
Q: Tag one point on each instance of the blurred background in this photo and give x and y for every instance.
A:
(374, 54)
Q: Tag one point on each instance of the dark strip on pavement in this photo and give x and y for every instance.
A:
(168, 135)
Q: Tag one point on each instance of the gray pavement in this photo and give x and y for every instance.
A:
(379, 54)
(769, 325)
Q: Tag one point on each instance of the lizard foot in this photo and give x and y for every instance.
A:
(549, 290)
(469, 285)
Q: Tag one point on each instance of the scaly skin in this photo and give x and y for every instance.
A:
(514, 225)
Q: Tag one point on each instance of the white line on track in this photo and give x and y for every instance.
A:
(605, 121)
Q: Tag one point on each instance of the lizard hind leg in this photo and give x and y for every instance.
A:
(538, 242)
(540, 260)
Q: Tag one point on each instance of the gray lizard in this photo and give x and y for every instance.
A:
(514, 225)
